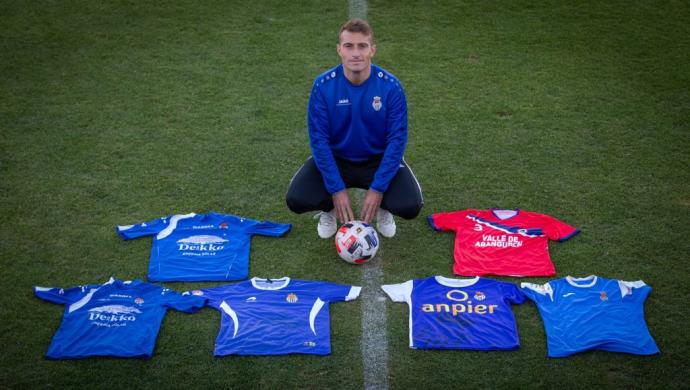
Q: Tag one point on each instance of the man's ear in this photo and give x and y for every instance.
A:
(373, 50)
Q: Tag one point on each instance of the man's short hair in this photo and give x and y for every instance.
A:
(357, 26)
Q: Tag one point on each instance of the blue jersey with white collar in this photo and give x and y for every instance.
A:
(118, 318)
(357, 123)
(450, 313)
(582, 314)
(275, 317)
(200, 247)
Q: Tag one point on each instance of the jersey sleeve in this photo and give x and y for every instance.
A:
(319, 141)
(338, 292)
(188, 303)
(129, 232)
(268, 228)
(401, 292)
(636, 289)
(538, 292)
(446, 221)
(557, 230)
(513, 294)
(213, 297)
(396, 140)
(60, 295)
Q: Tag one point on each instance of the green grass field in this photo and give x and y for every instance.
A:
(119, 112)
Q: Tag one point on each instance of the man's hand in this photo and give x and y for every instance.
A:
(370, 205)
(342, 206)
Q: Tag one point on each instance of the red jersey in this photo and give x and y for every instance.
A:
(502, 242)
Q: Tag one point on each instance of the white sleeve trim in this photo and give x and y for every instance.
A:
(543, 289)
(401, 292)
(124, 227)
(627, 287)
(37, 288)
(354, 293)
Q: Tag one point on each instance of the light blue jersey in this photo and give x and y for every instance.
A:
(275, 317)
(200, 247)
(593, 313)
(118, 318)
(357, 123)
(459, 313)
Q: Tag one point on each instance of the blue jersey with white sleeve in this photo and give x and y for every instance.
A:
(357, 123)
(275, 317)
(117, 318)
(450, 313)
(581, 314)
(200, 247)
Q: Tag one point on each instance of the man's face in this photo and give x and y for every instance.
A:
(355, 51)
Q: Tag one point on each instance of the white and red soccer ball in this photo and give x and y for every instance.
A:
(356, 242)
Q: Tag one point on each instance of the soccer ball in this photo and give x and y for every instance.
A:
(356, 242)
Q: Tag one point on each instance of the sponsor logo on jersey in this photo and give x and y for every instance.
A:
(309, 344)
(115, 309)
(603, 296)
(343, 102)
(459, 304)
(201, 243)
(198, 293)
(139, 301)
(377, 103)
(113, 313)
(223, 225)
(479, 296)
(292, 298)
(496, 241)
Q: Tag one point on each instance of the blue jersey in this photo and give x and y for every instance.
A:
(198, 247)
(275, 317)
(459, 313)
(357, 123)
(593, 313)
(118, 318)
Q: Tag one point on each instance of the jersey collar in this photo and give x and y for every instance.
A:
(578, 282)
(448, 282)
(499, 213)
(270, 284)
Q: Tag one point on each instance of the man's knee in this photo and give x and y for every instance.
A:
(300, 200)
(293, 203)
(409, 211)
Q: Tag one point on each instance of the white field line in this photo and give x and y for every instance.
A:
(374, 333)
